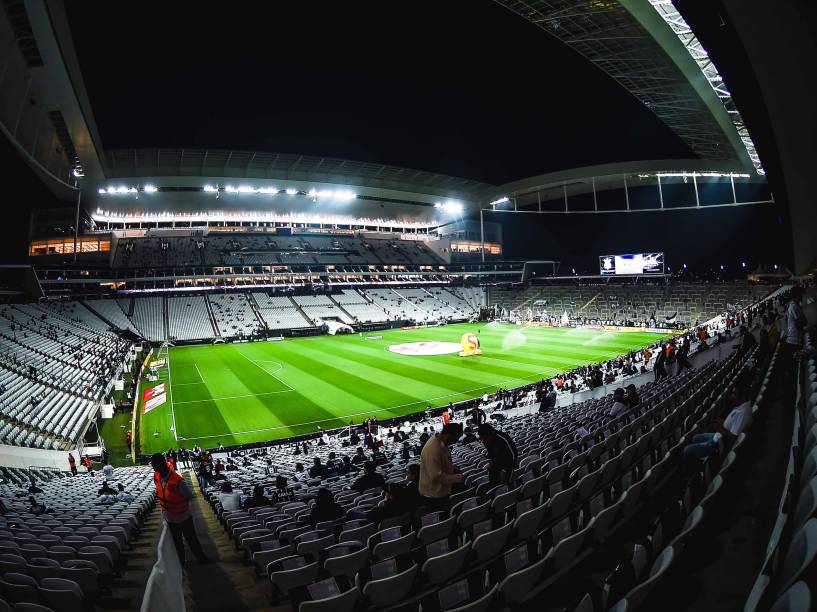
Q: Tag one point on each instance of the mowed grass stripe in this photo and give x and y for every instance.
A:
(333, 378)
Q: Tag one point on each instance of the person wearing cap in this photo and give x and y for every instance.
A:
(437, 473)
(619, 404)
(502, 453)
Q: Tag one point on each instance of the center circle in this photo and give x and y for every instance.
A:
(425, 348)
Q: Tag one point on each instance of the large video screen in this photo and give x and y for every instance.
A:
(631, 263)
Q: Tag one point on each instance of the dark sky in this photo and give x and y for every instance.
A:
(462, 87)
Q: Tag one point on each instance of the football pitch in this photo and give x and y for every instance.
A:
(251, 392)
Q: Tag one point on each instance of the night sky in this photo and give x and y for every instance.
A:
(461, 87)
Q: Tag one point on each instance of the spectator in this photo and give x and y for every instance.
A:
(36, 508)
(659, 367)
(108, 471)
(33, 488)
(229, 499)
(300, 475)
(437, 473)
(106, 489)
(174, 496)
(501, 452)
(370, 478)
(619, 403)
(123, 495)
(469, 436)
(478, 416)
(360, 456)
(219, 467)
(317, 470)
(325, 509)
(346, 466)
(737, 421)
(411, 491)
(72, 464)
(257, 500)
(394, 504)
(632, 400)
(89, 464)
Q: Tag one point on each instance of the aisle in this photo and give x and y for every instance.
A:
(226, 584)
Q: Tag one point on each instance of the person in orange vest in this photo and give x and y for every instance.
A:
(89, 464)
(72, 464)
(446, 417)
(171, 464)
(174, 495)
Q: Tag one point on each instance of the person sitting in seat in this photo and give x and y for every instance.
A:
(737, 421)
(325, 509)
(318, 470)
(123, 495)
(411, 492)
(34, 488)
(300, 475)
(360, 456)
(619, 403)
(36, 508)
(370, 478)
(632, 400)
(345, 466)
(257, 500)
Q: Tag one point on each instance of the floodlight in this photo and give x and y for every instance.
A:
(150, 189)
(209, 188)
(121, 190)
(501, 200)
(102, 191)
(246, 189)
(291, 191)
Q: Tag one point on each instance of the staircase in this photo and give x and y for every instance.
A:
(165, 317)
(302, 313)
(212, 316)
(256, 310)
(98, 315)
(224, 584)
(342, 309)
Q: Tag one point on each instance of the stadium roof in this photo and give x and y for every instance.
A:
(641, 44)
(650, 50)
(127, 163)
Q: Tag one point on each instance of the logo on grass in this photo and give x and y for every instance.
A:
(425, 348)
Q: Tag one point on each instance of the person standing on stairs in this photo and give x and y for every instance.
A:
(174, 498)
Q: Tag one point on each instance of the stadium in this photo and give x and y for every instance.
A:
(494, 305)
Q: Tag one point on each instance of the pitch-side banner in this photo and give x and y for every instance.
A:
(153, 398)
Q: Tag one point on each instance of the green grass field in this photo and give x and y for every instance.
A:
(250, 392)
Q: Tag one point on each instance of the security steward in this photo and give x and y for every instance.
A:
(174, 498)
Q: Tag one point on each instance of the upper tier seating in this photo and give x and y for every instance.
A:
(267, 249)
